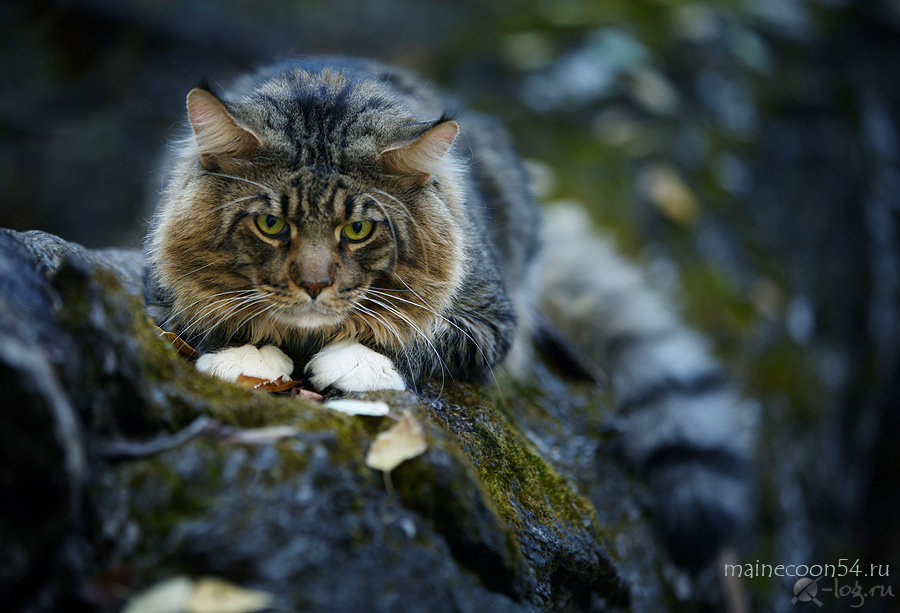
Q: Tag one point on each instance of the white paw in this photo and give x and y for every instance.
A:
(267, 363)
(351, 367)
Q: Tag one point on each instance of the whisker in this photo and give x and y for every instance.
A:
(228, 305)
(219, 207)
(390, 225)
(244, 294)
(223, 175)
(190, 272)
(392, 328)
(389, 326)
(172, 316)
(444, 369)
(229, 314)
(412, 324)
(258, 313)
(402, 208)
(466, 334)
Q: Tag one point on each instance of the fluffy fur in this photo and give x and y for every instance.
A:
(443, 284)
(320, 146)
(683, 425)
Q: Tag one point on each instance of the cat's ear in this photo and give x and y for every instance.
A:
(219, 137)
(420, 158)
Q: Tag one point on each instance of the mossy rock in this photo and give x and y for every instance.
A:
(500, 513)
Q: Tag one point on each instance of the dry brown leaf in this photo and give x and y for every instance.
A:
(180, 345)
(280, 384)
(402, 441)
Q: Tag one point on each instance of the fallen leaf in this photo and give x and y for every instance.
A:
(207, 595)
(169, 596)
(669, 194)
(213, 595)
(261, 436)
(180, 345)
(280, 384)
(300, 392)
(358, 407)
(402, 441)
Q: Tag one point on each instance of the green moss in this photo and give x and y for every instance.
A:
(717, 303)
(517, 479)
(482, 485)
(158, 498)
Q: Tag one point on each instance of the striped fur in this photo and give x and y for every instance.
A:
(320, 144)
(447, 285)
(683, 426)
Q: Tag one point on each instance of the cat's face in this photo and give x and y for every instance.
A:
(256, 243)
(298, 248)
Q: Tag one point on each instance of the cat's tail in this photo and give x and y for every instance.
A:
(684, 427)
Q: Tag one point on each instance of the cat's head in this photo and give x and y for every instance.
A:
(316, 200)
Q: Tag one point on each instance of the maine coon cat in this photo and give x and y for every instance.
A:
(331, 218)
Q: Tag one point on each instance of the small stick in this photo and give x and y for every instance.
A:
(732, 590)
(123, 449)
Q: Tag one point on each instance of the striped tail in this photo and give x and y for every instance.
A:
(684, 427)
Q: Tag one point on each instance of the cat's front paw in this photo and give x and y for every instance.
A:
(351, 367)
(267, 363)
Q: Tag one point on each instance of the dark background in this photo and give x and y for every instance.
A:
(745, 153)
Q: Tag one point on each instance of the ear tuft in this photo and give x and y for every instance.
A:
(422, 157)
(218, 135)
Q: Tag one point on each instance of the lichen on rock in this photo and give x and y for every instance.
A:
(137, 452)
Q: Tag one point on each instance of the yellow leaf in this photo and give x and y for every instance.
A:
(213, 595)
(668, 192)
(402, 441)
(169, 596)
(207, 595)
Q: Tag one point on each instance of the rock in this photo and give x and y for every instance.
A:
(126, 471)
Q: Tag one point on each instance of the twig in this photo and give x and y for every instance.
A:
(122, 449)
(732, 590)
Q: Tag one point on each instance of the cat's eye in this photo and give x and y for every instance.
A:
(358, 230)
(270, 225)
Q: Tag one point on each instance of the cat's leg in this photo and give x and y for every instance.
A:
(351, 367)
(683, 425)
(267, 362)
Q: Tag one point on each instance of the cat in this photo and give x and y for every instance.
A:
(323, 212)
(327, 213)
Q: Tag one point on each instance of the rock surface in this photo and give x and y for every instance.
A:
(129, 468)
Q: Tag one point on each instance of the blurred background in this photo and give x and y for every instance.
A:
(745, 153)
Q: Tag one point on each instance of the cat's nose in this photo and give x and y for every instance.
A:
(313, 289)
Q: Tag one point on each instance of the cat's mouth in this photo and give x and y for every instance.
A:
(311, 315)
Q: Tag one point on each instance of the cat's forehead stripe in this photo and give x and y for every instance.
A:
(303, 199)
(349, 207)
(330, 196)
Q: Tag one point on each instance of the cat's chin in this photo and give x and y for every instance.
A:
(311, 320)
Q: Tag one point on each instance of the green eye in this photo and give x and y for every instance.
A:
(270, 225)
(358, 230)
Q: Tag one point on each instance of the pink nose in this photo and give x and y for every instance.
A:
(313, 289)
